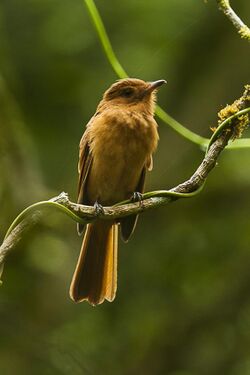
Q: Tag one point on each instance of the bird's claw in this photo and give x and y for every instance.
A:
(137, 197)
(98, 209)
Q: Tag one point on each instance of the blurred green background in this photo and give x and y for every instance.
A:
(183, 301)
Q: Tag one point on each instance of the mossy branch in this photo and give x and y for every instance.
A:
(233, 120)
(242, 29)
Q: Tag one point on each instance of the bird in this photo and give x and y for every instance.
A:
(115, 152)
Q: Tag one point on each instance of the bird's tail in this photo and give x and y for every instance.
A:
(95, 276)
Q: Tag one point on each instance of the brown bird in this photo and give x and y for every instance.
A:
(115, 152)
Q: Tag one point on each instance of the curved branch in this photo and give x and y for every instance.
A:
(243, 30)
(88, 213)
(185, 190)
(230, 126)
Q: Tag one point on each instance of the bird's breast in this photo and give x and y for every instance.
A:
(116, 129)
(120, 145)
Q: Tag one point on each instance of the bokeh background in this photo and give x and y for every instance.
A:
(183, 301)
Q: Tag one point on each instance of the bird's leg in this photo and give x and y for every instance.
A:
(98, 208)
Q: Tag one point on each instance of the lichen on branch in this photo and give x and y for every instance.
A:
(242, 29)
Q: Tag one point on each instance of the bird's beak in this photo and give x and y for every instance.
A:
(154, 85)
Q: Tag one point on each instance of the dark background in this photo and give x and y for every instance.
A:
(183, 301)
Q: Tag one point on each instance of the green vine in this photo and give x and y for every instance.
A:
(39, 205)
(191, 136)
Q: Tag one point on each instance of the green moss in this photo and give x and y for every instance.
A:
(241, 122)
(245, 32)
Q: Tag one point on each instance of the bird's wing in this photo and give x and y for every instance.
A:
(84, 164)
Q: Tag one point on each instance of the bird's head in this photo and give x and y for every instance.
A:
(130, 92)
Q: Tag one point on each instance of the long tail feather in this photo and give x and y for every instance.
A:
(95, 276)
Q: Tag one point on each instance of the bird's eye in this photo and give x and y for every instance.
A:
(127, 92)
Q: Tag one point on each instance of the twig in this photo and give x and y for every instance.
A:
(226, 8)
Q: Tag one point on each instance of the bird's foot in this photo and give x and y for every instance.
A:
(98, 209)
(137, 197)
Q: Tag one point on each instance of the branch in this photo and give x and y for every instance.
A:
(233, 120)
(243, 30)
